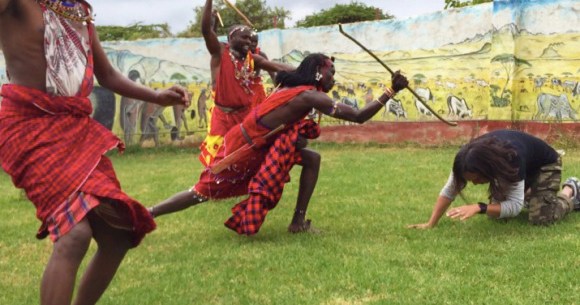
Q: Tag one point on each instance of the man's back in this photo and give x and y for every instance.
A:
(21, 37)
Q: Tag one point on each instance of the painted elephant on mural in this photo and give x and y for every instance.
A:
(103, 101)
(554, 107)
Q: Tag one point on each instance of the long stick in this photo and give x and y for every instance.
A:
(391, 71)
(248, 23)
(229, 159)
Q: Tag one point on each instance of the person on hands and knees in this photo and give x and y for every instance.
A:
(54, 150)
(521, 170)
(275, 137)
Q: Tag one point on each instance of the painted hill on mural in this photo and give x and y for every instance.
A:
(152, 69)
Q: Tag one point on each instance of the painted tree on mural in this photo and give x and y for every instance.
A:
(512, 65)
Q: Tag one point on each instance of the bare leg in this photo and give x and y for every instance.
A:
(113, 244)
(308, 178)
(177, 202)
(60, 274)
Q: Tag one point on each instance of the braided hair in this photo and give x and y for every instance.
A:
(305, 74)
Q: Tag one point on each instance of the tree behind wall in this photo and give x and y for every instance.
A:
(262, 17)
(459, 3)
(344, 13)
(133, 32)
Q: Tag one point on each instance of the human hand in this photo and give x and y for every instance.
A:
(463, 212)
(175, 95)
(398, 81)
(421, 226)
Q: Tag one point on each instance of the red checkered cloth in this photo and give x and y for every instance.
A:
(52, 149)
(234, 180)
(267, 185)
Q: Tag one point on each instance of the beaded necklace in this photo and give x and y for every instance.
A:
(71, 10)
(244, 71)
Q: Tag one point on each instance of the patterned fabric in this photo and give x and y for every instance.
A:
(233, 100)
(233, 181)
(267, 185)
(66, 53)
(53, 149)
(546, 206)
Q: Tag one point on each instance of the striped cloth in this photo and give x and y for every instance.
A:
(53, 149)
(266, 186)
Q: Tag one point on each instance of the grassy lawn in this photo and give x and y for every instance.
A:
(365, 197)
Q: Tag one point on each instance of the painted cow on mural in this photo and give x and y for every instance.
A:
(352, 102)
(458, 107)
(576, 89)
(569, 85)
(553, 106)
(538, 83)
(396, 108)
(427, 96)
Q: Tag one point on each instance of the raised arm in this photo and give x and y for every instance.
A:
(110, 78)
(261, 62)
(207, 29)
(271, 73)
(345, 112)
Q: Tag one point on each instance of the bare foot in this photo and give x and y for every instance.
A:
(302, 227)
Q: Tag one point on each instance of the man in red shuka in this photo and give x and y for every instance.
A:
(262, 170)
(54, 150)
(233, 70)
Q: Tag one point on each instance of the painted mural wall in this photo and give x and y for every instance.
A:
(506, 60)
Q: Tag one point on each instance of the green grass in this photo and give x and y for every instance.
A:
(365, 197)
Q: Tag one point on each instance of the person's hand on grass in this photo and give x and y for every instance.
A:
(463, 212)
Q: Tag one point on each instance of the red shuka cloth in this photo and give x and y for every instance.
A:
(233, 93)
(51, 147)
(254, 167)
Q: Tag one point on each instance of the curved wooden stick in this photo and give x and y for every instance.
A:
(391, 71)
(248, 22)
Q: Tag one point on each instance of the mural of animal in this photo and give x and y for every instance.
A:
(556, 82)
(103, 101)
(350, 92)
(576, 89)
(352, 102)
(335, 95)
(426, 94)
(202, 107)
(569, 85)
(396, 108)
(130, 109)
(553, 106)
(369, 96)
(422, 109)
(458, 107)
(538, 83)
(481, 83)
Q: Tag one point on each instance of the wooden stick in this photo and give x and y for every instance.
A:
(219, 18)
(391, 71)
(231, 158)
(248, 23)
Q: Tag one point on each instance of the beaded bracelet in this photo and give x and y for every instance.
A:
(389, 92)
